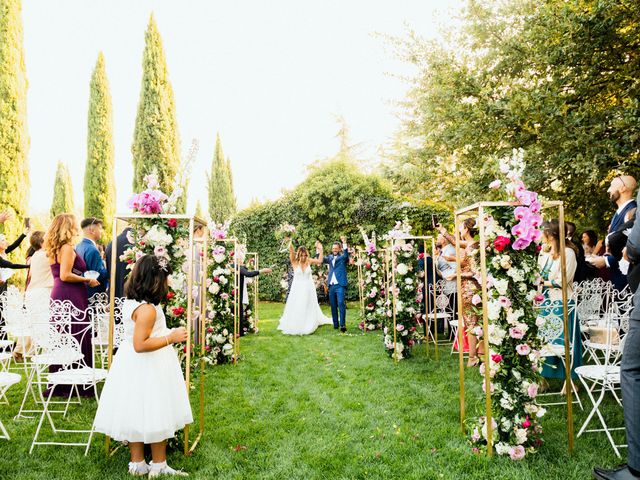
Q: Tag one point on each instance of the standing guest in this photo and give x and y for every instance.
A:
(122, 244)
(67, 268)
(630, 378)
(244, 293)
(590, 243)
(470, 286)
(581, 264)
(39, 283)
(618, 266)
(144, 400)
(447, 267)
(5, 248)
(88, 250)
(550, 266)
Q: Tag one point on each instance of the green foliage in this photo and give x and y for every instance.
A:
(99, 182)
(335, 199)
(222, 201)
(14, 138)
(62, 192)
(557, 78)
(156, 144)
(199, 212)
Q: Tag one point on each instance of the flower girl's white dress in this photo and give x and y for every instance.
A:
(144, 398)
(302, 314)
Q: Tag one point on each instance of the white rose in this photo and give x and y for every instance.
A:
(214, 288)
(501, 286)
(402, 269)
(493, 310)
(521, 436)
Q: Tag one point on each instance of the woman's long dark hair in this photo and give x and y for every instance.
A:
(148, 281)
(551, 229)
(592, 236)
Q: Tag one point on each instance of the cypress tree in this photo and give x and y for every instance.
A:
(14, 137)
(199, 213)
(156, 143)
(99, 183)
(222, 202)
(62, 192)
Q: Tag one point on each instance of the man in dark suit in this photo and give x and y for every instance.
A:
(630, 378)
(122, 244)
(244, 294)
(337, 282)
(88, 250)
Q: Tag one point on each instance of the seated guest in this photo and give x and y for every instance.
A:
(590, 243)
(88, 251)
(550, 265)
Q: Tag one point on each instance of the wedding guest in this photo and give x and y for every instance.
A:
(88, 250)
(244, 294)
(447, 268)
(39, 283)
(122, 244)
(590, 243)
(630, 378)
(5, 248)
(581, 264)
(470, 286)
(144, 400)
(550, 265)
(617, 265)
(427, 288)
(67, 268)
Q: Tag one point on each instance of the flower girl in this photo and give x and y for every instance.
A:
(144, 399)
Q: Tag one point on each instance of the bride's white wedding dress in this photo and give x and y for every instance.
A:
(302, 314)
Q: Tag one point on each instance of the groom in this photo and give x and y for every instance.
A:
(337, 281)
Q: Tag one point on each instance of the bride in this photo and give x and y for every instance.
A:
(302, 314)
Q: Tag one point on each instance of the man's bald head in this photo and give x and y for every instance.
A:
(622, 188)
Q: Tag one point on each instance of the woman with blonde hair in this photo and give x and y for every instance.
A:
(69, 283)
(302, 314)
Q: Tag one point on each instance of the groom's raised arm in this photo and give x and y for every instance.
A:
(345, 247)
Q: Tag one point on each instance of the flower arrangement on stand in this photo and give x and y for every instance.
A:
(219, 341)
(376, 306)
(514, 368)
(408, 293)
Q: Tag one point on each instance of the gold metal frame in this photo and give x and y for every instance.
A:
(256, 288)
(188, 448)
(361, 288)
(480, 209)
(425, 292)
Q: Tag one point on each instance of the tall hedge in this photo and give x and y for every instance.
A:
(156, 143)
(62, 192)
(335, 199)
(222, 200)
(99, 181)
(14, 138)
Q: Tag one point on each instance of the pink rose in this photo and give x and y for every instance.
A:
(532, 391)
(496, 357)
(527, 422)
(399, 327)
(500, 243)
(517, 452)
(476, 299)
(523, 349)
(495, 184)
(516, 333)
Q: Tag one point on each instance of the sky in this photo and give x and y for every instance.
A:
(270, 77)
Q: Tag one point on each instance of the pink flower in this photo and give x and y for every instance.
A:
(371, 248)
(535, 207)
(399, 327)
(517, 452)
(536, 235)
(526, 197)
(496, 357)
(520, 229)
(159, 251)
(476, 299)
(522, 213)
(521, 244)
(496, 184)
(492, 387)
(532, 391)
(523, 349)
(224, 296)
(527, 422)
(538, 298)
(504, 302)
(516, 333)
(535, 220)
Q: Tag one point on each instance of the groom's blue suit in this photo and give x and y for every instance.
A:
(337, 281)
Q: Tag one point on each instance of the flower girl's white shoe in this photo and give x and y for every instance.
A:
(138, 469)
(159, 469)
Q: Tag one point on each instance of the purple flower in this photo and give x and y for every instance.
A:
(521, 244)
(371, 248)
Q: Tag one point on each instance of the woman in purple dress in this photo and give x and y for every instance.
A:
(69, 283)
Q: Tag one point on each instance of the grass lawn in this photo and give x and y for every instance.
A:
(328, 406)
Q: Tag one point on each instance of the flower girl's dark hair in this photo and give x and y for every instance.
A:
(148, 280)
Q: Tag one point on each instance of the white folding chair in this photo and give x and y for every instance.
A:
(7, 379)
(552, 335)
(602, 378)
(68, 329)
(13, 314)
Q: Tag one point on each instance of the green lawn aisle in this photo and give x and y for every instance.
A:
(322, 406)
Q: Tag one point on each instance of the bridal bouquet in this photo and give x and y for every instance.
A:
(512, 282)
